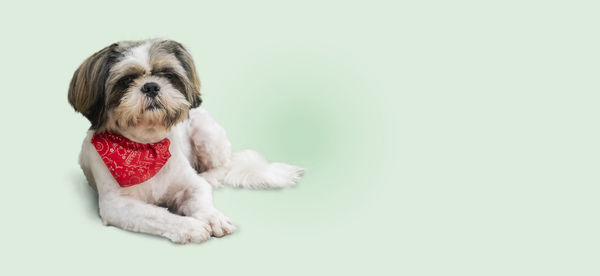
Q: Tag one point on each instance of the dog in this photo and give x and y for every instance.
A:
(152, 153)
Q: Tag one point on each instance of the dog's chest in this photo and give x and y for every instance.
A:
(165, 183)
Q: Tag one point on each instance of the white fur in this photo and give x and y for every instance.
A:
(135, 208)
(244, 169)
(250, 170)
(138, 56)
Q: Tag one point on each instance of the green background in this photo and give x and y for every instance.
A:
(440, 137)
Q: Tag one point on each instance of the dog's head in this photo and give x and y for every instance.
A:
(139, 89)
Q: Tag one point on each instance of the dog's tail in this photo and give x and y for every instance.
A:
(248, 169)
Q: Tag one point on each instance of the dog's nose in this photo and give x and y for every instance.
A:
(151, 89)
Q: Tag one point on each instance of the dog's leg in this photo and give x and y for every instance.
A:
(196, 200)
(248, 169)
(212, 156)
(211, 149)
(135, 215)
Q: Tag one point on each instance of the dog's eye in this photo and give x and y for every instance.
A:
(127, 79)
(169, 76)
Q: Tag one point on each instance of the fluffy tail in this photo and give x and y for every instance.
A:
(248, 169)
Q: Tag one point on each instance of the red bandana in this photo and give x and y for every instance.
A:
(130, 162)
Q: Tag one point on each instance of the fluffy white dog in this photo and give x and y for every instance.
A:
(152, 153)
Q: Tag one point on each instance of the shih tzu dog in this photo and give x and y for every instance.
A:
(152, 154)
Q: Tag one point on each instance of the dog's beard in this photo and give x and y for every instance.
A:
(138, 110)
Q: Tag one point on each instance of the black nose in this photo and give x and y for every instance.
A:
(151, 89)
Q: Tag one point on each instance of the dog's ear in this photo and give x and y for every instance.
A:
(187, 62)
(87, 88)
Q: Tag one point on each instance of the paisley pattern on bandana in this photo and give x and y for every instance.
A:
(130, 162)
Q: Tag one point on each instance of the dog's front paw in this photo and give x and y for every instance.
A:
(189, 230)
(220, 224)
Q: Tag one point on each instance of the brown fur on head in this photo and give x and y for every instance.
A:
(136, 84)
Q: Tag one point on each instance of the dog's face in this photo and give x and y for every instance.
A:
(139, 89)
